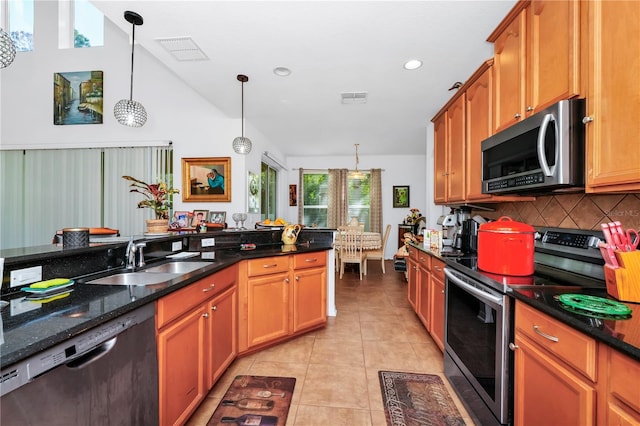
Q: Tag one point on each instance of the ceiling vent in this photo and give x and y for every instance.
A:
(354, 97)
(183, 48)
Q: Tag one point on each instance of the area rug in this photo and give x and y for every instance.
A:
(412, 399)
(255, 400)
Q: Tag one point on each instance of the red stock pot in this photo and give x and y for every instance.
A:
(506, 247)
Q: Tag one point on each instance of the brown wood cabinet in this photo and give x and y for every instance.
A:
(440, 158)
(613, 99)
(536, 58)
(424, 297)
(437, 300)
(619, 393)
(413, 271)
(188, 355)
(449, 152)
(282, 296)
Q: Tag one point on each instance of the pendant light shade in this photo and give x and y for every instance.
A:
(242, 145)
(7, 49)
(127, 111)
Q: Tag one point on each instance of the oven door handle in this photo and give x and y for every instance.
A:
(482, 295)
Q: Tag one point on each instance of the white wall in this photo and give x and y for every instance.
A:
(398, 170)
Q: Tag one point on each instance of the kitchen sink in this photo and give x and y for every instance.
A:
(136, 278)
(177, 267)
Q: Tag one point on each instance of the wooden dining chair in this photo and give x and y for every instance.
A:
(351, 248)
(378, 254)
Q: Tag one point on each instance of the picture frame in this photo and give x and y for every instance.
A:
(253, 191)
(180, 219)
(401, 196)
(206, 179)
(199, 216)
(83, 108)
(293, 195)
(218, 217)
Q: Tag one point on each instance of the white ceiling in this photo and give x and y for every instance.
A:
(330, 47)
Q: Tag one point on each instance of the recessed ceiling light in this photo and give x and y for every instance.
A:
(282, 71)
(412, 64)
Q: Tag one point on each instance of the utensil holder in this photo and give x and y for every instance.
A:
(623, 282)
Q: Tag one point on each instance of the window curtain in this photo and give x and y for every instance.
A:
(300, 196)
(338, 204)
(375, 194)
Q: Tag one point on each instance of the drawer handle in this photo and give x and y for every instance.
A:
(545, 335)
(206, 290)
(272, 265)
(315, 259)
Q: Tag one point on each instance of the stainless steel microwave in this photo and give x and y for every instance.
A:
(540, 154)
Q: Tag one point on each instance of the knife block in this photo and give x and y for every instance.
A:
(623, 282)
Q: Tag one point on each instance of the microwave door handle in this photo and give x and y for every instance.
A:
(541, 134)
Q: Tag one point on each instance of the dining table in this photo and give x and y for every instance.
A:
(370, 241)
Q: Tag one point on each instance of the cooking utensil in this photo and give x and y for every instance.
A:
(607, 234)
(506, 247)
(632, 239)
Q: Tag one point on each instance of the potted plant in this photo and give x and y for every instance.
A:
(157, 196)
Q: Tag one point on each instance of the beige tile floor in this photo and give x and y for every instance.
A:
(336, 368)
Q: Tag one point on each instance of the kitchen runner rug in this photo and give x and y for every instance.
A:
(255, 400)
(412, 399)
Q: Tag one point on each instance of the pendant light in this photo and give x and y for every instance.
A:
(7, 49)
(127, 111)
(242, 145)
(357, 174)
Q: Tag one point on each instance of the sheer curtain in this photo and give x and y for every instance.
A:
(338, 203)
(375, 209)
(300, 199)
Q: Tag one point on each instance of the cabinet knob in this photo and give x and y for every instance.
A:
(513, 347)
(517, 115)
(205, 315)
(286, 280)
(297, 278)
(529, 108)
(587, 119)
(214, 308)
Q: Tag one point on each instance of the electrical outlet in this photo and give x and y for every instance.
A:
(208, 242)
(21, 305)
(209, 255)
(176, 246)
(25, 276)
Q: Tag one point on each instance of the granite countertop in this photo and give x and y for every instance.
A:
(622, 334)
(30, 327)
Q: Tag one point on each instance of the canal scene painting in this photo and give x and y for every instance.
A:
(77, 97)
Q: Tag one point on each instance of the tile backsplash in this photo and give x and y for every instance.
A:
(574, 211)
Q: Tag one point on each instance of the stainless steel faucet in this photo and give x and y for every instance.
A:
(132, 248)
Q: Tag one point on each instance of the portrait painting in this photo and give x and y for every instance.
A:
(206, 179)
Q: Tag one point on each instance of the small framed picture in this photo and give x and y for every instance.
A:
(293, 195)
(218, 217)
(180, 219)
(400, 196)
(199, 216)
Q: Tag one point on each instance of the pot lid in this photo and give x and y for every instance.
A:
(506, 224)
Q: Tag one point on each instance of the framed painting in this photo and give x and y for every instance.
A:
(254, 192)
(206, 179)
(218, 217)
(400, 196)
(293, 195)
(77, 97)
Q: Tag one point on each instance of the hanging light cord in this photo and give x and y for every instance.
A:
(357, 159)
(242, 106)
(133, 43)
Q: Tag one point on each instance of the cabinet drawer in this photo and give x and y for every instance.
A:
(177, 303)
(571, 346)
(623, 373)
(424, 260)
(267, 265)
(437, 269)
(309, 260)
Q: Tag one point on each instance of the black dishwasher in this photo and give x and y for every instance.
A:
(105, 376)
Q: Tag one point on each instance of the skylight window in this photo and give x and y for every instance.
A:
(21, 24)
(80, 24)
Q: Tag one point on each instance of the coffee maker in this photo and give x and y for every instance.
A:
(470, 229)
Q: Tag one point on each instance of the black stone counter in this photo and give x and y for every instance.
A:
(621, 334)
(31, 326)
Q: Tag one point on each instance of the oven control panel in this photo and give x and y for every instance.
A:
(568, 239)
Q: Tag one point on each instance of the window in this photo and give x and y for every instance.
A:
(21, 24)
(268, 191)
(315, 187)
(80, 25)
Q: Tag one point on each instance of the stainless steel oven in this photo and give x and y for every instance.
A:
(477, 334)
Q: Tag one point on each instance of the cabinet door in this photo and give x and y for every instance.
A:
(309, 298)
(423, 299)
(613, 101)
(437, 311)
(181, 363)
(412, 283)
(548, 393)
(440, 159)
(223, 333)
(267, 308)
(553, 58)
(478, 109)
(455, 150)
(509, 64)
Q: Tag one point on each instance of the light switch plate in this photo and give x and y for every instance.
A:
(25, 276)
(208, 242)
